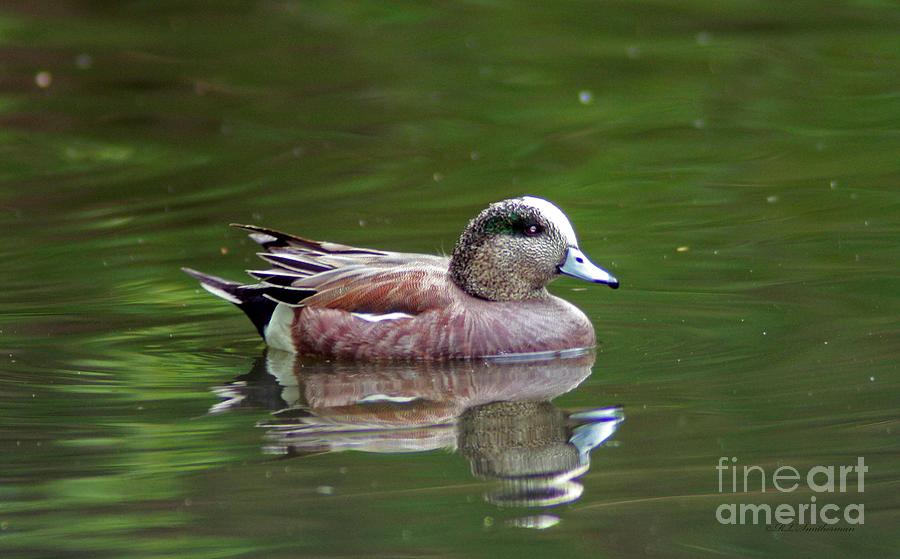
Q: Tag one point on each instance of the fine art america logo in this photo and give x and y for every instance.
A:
(816, 515)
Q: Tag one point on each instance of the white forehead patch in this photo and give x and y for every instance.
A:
(555, 216)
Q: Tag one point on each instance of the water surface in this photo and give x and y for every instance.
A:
(735, 165)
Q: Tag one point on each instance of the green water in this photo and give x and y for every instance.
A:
(734, 164)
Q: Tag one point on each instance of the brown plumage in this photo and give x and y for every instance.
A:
(490, 299)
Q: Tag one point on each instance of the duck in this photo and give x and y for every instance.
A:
(488, 299)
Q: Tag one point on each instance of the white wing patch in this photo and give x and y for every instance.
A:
(379, 398)
(555, 216)
(369, 317)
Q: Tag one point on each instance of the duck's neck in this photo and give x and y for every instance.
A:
(483, 278)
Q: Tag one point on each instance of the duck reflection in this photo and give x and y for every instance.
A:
(497, 414)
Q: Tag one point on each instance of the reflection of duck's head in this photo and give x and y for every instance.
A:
(534, 448)
(516, 439)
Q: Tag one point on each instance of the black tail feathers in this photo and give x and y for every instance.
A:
(251, 299)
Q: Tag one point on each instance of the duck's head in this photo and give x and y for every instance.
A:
(514, 248)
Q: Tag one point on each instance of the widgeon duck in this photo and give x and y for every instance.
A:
(489, 299)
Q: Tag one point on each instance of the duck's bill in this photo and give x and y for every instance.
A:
(578, 266)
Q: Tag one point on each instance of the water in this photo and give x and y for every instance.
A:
(735, 166)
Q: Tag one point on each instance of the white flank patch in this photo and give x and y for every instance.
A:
(374, 398)
(278, 330)
(555, 216)
(379, 317)
(221, 293)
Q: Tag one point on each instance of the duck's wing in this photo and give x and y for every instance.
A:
(357, 280)
(292, 257)
(380, 290)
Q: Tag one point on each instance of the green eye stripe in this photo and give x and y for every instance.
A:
(506, 224)
(502, 224)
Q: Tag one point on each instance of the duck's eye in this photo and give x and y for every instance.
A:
(533, 230)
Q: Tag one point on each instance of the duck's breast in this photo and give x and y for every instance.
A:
(547, 324)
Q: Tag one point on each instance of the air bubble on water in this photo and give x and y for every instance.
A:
(43, 79)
